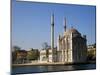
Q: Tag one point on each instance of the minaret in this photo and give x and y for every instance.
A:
(52, 36)
(65, 24)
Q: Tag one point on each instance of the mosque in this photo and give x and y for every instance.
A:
(71, 46)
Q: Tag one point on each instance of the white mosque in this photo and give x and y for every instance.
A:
(71, 46)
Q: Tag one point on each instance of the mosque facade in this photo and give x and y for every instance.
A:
(71, 46)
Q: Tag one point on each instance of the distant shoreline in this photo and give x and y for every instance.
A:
(50, 64)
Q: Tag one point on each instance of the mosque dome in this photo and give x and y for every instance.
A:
(73, 30)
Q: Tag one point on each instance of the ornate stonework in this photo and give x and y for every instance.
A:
(71, 46)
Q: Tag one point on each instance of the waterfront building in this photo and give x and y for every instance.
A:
(71, 46)
(91, 52)
(46, 55)
(91, 46)
(21, 56)
(43, 56)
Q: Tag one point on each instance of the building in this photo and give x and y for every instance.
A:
(91, 52)
(21, 56)
(71, 46)
(46, 55)
(43, 56)
(91, 46)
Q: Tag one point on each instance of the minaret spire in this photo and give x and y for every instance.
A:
(52, 19)
(52, 36)
(65, 24)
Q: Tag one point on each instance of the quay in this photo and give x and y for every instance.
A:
(52, 63)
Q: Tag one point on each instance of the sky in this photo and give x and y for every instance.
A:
(31, 22)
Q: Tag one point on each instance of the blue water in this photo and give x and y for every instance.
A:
(39, 69)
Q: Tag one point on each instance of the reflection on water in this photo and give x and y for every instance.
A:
(38, 69)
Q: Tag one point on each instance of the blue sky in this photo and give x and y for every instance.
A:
(31, 22)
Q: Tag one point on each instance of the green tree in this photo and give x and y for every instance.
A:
(15, 49)
(33, 54)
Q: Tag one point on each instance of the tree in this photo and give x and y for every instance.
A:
(45, 46)
(94, 45)
(16, 48)
(33, 54)
(14, 53)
